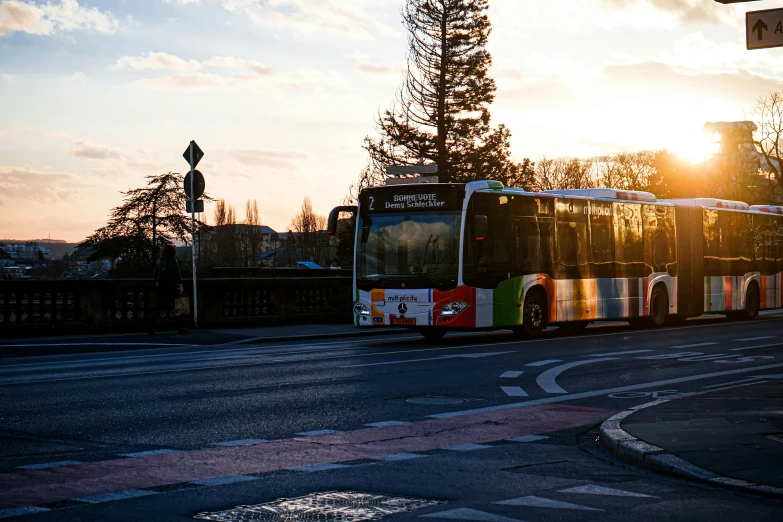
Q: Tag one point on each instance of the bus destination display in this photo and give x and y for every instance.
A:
(401, 198)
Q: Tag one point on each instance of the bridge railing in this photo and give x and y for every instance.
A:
(41, 307)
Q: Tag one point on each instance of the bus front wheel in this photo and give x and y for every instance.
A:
(534, 314)
(659, 307)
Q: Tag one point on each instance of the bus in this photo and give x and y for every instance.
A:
(436, 257)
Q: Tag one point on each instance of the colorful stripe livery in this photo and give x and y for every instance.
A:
(569, 300)
(726, 294)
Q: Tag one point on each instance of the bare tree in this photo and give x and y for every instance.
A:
(768, 113)
(560, 174)
(307, 236)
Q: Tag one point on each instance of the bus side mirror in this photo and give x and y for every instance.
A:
(480, 226)
(331, 228)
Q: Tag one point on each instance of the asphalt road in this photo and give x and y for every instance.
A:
(442, 413)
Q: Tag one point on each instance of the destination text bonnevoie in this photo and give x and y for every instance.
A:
(403, 201)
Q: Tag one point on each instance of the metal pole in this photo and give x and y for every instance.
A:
(193, 236)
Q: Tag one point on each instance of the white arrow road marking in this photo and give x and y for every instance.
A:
(592, 489)
(533, 501)
(439, 358)
(595, 393)
(543, 363)
(469, 514)
(547, 379)
(511, 375)
(514, 391)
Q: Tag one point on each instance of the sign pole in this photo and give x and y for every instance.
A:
(193, 236)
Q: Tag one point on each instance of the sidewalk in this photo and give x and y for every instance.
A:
(82, 343)
(733, 437)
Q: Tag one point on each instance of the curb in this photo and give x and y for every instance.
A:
(623, 446)
(313, 337)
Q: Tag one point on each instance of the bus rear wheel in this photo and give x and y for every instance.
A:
(752, 302)
(659, 307)
(534, 314)
(433, 334)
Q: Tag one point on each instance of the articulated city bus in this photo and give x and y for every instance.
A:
(439, 256)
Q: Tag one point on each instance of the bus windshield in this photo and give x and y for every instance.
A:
(409, 250)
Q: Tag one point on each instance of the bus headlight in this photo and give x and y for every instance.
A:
(361, 309)
(452, 309)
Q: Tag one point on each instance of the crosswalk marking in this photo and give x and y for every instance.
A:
(469, 514)
(541, 502)
(592, 489)
(514, 391)
(543, 363)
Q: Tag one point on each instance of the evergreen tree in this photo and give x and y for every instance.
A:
(442, 109)
(149, 218)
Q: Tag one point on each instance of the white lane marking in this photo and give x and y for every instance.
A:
(384, 424)
(107, 343)
(746, 379)
(468, 447)
(627, 352)
(755, 347)
(511, 375)
(514, 391)
(119, 495)
(756, 338)
(469, 514)
(592, 489)
(45, 465)
(528, 438)
(316, 433)
(222, 481)
(541, 502)
(695, 345)
(318, 467)
(398, 456)
(16, 512)
(149, 453)
(595, 393)
(438, 358)
(547, 379)
(543, 363)
(242, 442)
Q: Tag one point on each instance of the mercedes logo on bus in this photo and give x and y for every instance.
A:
(403, 308)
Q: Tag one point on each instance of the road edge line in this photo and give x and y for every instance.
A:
(621, 445)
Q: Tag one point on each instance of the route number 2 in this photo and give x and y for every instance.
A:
(372, 202)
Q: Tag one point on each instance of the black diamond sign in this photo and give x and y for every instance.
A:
(197, 154)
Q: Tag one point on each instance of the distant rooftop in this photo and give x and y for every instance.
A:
(715, 126)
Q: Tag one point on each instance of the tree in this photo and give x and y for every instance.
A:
(441, 113)
(559, 174)
(249, 236)
(149, 218)
(769, 118)
(307, 239)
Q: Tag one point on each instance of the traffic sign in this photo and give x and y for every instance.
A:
(764, 29)
(197, 154)
(411, 169)
(198, 184)
(199, 206)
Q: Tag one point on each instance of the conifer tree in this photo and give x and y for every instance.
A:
(441, 113)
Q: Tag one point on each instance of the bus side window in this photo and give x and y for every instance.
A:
(572, 239)
(602, 254)
(711, 243)
(629, 246)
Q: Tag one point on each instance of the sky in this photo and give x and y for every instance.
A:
(96, 94)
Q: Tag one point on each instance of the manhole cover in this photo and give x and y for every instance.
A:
(435, 400)
(337, 506)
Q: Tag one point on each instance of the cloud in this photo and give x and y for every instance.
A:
(156, 61)
(232, 62)
(375, 68)
(685, 10)
(26, 183)
(195, 81)
(47, 19)
(83, 148)
(276, 159)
